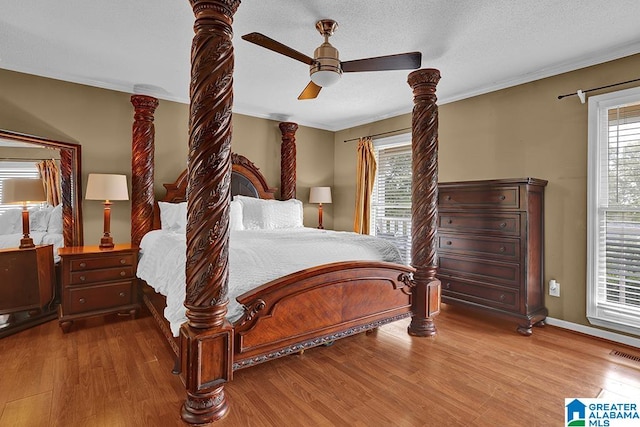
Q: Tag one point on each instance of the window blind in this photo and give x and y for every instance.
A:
(391, 198)
(16, 169)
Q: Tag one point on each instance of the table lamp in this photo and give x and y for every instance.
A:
(107, 187)
(22, 191)
(320, 195)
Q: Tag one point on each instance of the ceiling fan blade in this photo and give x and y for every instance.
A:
(401, 61)
(310, 92)
(271, 44)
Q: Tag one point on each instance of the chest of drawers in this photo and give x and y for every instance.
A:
(97, 281)
(491, 248)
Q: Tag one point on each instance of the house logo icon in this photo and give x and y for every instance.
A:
(576, 413)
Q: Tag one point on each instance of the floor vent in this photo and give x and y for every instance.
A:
(624, 355)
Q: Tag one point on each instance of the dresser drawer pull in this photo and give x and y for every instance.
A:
(83, 264)
(123, 261)
(122, 294)
(503, 224)
(123, 273)
(82, 278)
(448, 197)
(502, 249)
(448, 285)
(450, 221)
(82, 300)
(502, 297)
(449, 242)
(502, 197)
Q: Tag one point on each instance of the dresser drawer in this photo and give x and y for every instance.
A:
(107, 274)
(482, 294)
(484, 270)
(97, 297)
(480, 198)
(87, 263)
(504, 224)
(499, 248)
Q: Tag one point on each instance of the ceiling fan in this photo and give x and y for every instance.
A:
(325, 67)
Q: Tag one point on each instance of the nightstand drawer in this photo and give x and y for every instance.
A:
(87, 263)
(480, 198)
(98, 297)
(507, 249)
(91, 276)
(492, 296)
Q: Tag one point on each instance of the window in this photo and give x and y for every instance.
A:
(613, 236)
(16, 169)
(391, 198)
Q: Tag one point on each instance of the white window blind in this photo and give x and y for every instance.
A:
(391, 198)
(614, 207)
(16, 169)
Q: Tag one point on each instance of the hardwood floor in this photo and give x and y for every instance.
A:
(116, 372)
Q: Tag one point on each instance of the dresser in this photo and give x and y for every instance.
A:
(491, 248)
(97, 282)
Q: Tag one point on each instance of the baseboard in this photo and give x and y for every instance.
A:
(600, 333)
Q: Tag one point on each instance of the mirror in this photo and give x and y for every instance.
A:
(72, 231)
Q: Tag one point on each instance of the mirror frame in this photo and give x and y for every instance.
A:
(70, 182)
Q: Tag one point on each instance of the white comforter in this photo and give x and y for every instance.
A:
(255, 257)
(39, 238)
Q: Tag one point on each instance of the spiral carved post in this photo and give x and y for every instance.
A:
(288, 160)
(206, 340)
(424, 201)
(66, 193)
(142, 166)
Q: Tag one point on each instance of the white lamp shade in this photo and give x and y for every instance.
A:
(22, 190)
(320, 195)
(107, 187)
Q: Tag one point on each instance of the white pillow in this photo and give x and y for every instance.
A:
(39, 218)
(173, 216)
(235, 216)
(55, 220)
(258, 214)
(11, 221)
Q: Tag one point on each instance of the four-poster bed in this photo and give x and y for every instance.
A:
(297, 311)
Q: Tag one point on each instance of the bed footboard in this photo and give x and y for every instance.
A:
(318, 305)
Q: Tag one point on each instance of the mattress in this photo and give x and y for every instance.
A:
(255, 257)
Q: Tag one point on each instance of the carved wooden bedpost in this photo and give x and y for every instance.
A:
(206, 340)
(424, 201)
(142, 166)
(288, 160)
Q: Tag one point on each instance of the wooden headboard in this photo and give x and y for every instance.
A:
(246, 180)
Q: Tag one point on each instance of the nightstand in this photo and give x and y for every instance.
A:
(97, 282)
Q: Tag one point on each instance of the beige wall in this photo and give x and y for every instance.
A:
(524, 131)
(100, 121)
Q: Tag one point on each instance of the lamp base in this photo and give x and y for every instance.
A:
(106, 242)
(26, 243)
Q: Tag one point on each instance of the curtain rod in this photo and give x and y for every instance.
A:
(581, 93)
(377, 134)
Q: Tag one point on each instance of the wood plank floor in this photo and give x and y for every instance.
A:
(115, 371)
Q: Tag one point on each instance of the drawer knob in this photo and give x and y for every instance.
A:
(502, 197)
(502, 249)
(502, 297)
(503, 224)
(448, 197)
(448, 242)
(448, 285)
(82, 301)
(122, 294)
(83, 264)
(450, 221)
(123, 273)
(123, 261)
(82, 278)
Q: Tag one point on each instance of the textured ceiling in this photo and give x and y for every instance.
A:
(478, 46)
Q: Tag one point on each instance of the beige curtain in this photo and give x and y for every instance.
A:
(365, 177)
(50, 174)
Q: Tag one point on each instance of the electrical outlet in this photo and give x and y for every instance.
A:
(554, 288)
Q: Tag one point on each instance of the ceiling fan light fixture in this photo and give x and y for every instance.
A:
(324, 78)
